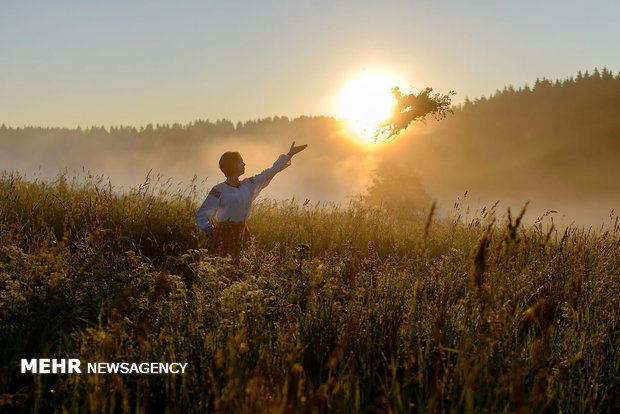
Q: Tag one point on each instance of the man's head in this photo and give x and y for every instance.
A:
(231, 163)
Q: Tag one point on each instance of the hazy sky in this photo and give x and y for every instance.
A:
(69, 63)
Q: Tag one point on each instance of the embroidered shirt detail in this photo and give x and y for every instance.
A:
(252, 180)
(215, 192)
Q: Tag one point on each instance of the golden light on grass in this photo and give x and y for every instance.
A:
(366, 101)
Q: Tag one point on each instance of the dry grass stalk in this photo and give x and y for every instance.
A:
(479, 262)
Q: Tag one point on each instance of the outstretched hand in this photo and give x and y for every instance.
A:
(295, 149)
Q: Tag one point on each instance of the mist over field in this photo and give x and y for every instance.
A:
(332, 170)
(556, 144)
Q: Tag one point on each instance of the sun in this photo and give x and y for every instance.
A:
(366, 100)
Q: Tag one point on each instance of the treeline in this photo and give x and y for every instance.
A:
(65, 146)
(177, 131)
(583, 83)
(127, 153)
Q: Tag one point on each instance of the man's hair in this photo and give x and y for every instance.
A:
(227, 162)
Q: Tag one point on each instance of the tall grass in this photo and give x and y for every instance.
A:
(463, 316)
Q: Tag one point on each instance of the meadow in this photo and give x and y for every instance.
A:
(332, 309)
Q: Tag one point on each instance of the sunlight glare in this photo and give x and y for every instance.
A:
(366, 101)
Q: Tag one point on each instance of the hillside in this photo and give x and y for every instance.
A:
(558, 140)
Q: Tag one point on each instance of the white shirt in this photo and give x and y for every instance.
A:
(226, 202)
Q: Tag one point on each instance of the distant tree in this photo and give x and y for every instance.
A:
(397, 187)
(224, 127)
(542, 84)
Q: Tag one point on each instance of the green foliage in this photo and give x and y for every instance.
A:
(483, 315)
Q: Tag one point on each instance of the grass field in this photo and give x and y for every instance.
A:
(483, 314)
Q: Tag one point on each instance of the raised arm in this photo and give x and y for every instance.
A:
(263, 179)
(260, 181)
(206, 212)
